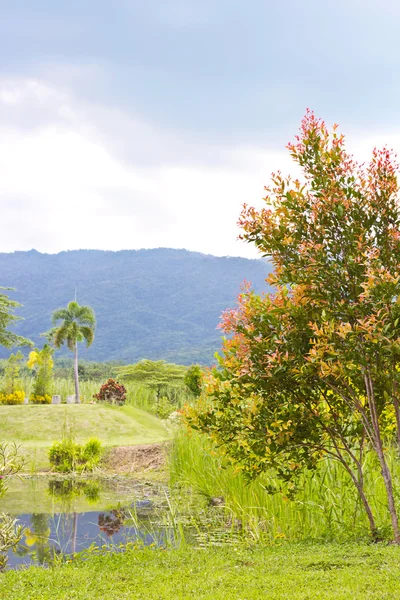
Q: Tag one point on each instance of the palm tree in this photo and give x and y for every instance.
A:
(77, 324)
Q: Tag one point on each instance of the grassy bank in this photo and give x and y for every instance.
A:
(36, 427)
(326, 572)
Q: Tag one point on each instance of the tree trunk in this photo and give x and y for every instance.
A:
(74, 533)
(387, 478)
(397, 413)
(77, 397)
(372, 525)
(386, 474)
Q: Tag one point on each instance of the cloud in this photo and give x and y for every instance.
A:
(75, 175)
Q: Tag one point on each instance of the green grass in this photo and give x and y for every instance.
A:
(36, 427)
(326, 506)
(137, 395)
(306, 572)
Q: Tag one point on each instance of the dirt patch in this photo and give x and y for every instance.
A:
(130, 459)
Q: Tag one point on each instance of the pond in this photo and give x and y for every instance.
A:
(64, 516)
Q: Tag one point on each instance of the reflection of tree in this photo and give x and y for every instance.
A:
(111, 523)
(37, 544)
(67, 490)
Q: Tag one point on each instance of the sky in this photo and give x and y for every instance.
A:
(132, 124)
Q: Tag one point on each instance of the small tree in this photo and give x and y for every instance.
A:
(77, 324)
(41, 361)
(313, 369)
(7, 318)
(194, 380)
(159, 376)
(11, 381)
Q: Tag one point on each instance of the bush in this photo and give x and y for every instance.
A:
(112, 392)
(164, 408)
(36, 399)
(67, 456)
(16, 397)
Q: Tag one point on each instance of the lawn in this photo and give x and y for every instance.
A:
(36, 427)
(290, 571)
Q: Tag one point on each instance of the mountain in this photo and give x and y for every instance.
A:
(157, 304)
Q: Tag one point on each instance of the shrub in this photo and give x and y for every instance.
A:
(112, 392)
(164, 408)
(36, 399)
(41, 363)
(16, 397)
(67, 456)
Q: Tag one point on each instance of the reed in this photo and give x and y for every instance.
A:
(326, 506)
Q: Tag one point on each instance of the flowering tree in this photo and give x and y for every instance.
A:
(41, 362)
(313, 369)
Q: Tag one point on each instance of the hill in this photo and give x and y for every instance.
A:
(35, 428)
(157, 304)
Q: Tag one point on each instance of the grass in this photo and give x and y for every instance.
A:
(36, 427)
(326, 506)
(137, 395)
(298, 572)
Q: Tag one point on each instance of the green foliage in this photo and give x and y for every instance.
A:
(10, 531)
(77, 325)
(325, 506)
(7, 318)
(160, 377)
(194, 380)
(159, 304)
(41, 362)
(165, 407)
(67, 456)
(307, 372)
(11, 379)
(111, 392)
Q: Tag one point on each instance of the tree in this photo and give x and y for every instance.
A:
(312, 371)
(11, 381)
(7, 318)
(78, 323)
(194, 380)
(159, 376)
(41, 361)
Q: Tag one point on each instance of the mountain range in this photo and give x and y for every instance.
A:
(157, 304)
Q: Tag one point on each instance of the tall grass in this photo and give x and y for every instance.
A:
(139, 396)
(325, 507)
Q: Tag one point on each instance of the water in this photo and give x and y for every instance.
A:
(65, 516)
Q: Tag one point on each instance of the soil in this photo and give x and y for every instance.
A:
(131, 459)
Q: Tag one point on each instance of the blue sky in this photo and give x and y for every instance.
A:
(132, 124)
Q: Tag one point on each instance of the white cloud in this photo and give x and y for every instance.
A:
(74, 175)
(64, 183)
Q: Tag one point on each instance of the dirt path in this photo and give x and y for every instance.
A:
(130, 459)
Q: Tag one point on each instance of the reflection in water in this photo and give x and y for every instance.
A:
(111, 523)
(37, 545)
(75, 526)
(68, 490)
